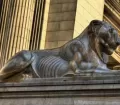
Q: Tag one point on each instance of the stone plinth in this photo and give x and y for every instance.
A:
(62, 91)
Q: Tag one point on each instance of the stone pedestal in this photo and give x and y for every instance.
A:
(61, 91)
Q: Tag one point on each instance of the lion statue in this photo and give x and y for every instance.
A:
(88, 51)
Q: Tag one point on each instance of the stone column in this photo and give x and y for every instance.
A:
(37, 25)
(16, 23)
(44, 24)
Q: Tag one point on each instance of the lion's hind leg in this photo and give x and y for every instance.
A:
(16, 64)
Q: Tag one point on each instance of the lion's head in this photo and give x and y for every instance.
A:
(104, 38)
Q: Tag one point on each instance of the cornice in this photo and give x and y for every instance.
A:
(112, 13)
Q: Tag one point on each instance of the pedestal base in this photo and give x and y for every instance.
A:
(61, 91)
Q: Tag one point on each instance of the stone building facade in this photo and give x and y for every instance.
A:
(44, 24)
(15, 26)
(68, 18)
(20, 23)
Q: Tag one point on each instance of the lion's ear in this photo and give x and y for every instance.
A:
(93, 24)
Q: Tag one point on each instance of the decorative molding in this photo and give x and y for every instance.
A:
(61, 87)
(112, 13)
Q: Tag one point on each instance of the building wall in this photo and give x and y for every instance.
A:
(86, 11)
(66, 19)
(20, 25)
(60, 26)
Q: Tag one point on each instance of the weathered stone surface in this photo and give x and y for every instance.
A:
(66, 25)
(60, 43)
(51, 44)
(62, 1)
(60, 11)
(69, 7)
(69, 15)
(54, 17)
(59, 36)
(53, 26)
(61, 91)
(55, 8)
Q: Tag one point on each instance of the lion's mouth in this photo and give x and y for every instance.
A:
(103, 47)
